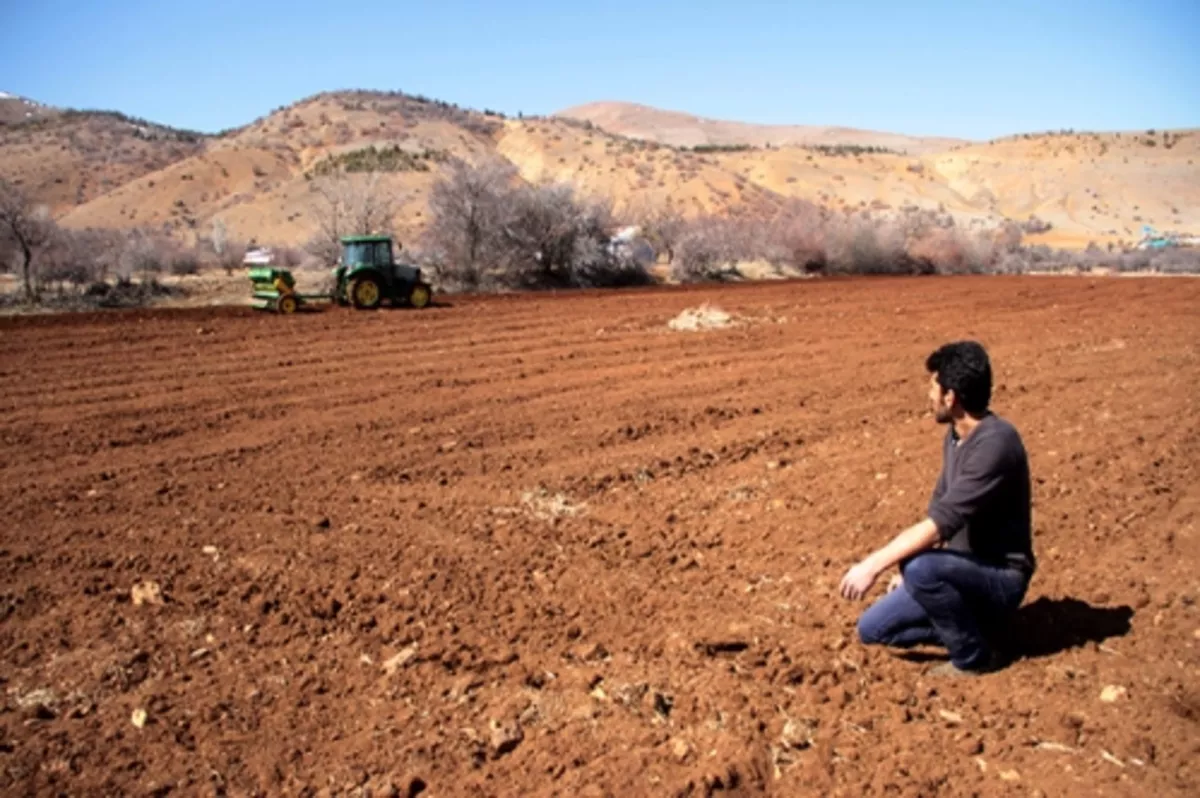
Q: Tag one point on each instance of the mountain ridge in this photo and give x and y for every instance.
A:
(106, 169)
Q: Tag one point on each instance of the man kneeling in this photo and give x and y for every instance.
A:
(967, 565)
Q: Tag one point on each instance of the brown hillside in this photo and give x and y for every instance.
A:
(65, 159)
(1089, 187)
(258, 179)
(679, 129)
(15, 110)
(633, 174)
(103, 170)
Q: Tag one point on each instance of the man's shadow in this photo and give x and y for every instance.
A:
(1048, 626)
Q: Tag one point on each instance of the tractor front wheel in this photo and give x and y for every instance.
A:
(287, 304)
(420, 296)
(365, 293)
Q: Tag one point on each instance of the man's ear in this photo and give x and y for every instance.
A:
(949, 398)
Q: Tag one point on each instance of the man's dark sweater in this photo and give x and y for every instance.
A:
(981, 503)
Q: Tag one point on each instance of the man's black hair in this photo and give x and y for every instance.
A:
(964, 368)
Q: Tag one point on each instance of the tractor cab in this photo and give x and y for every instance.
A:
(367, 274)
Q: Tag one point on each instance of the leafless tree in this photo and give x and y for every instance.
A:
(554, 238)
(796, 236)
(662, 225)
(229, 252)
(469, 209)
(348, 205)
(78, 257)
(710, 247)
(488, 226)
(146, 254)
(27, 228)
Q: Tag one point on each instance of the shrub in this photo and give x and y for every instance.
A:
(1035, 225)
(370, 159)
(709, 249)
(490, 230)
(185, 263)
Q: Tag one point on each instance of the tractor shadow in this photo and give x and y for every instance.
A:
(1048, 626)
(434, 304)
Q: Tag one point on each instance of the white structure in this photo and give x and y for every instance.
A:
(259, 256)
(628, 243)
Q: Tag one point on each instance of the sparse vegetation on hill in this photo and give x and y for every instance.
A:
(843, 150)
(387, 159)
(703, 148)
(137, 127)
(414, 106)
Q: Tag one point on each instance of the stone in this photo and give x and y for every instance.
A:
(1112, 693)
(505, 736)
(399, 659)
(797, 734)
(146, 593)
(138, 718)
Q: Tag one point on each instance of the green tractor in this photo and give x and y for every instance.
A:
(367, 275)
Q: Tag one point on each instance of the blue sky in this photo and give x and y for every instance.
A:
(971, 69)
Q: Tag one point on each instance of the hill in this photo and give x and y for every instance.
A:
(104, 169)
(14, 109)
(678, 129)
(67, 158)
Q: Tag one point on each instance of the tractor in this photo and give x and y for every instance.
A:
(367, 275)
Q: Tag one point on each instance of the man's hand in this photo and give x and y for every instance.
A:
(916, 538)
(858, 581)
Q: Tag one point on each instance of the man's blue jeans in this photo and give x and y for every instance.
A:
(949, 599)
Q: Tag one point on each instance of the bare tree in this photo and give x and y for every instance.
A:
(146, 254)
(230, 252)
(78, 257)
(469, 208)
(27, 227)
(710, 247)
(348, 205)
(795, 236)
(662, 225)
(553, 238)
(488, 226)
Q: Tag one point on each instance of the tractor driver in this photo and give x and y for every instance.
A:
(968, 564)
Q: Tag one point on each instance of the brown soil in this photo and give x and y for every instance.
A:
(544, 545)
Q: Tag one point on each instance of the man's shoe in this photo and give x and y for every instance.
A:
(993, 663)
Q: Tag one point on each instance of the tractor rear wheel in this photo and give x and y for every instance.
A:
(420, 295)
(365, 293)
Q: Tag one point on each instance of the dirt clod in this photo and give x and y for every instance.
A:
(146, 593)
(505, 736)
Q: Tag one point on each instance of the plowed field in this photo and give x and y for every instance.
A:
(545, 545)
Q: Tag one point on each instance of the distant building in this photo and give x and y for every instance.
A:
(629, 244)
(259, 256)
